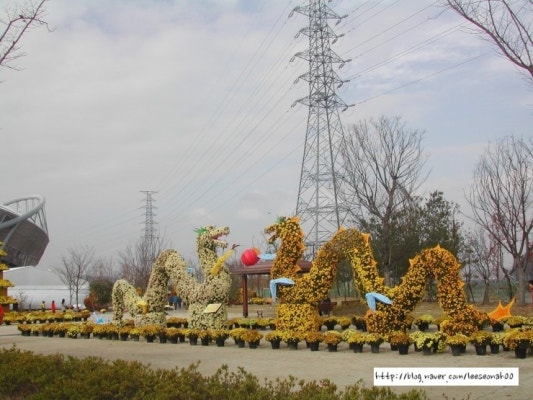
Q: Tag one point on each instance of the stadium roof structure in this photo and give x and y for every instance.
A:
(23, 230)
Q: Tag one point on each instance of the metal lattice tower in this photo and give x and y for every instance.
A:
(318, 205)
(150, 236)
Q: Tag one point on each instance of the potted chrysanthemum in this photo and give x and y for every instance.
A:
(219, 336)
(192, 335)
(480, 340)
(425, 341)
(423, 322)
(135, 334)
(356, 340)
(496, 340)
(332, 339)
(274, 337)
(172, 334)
(374, 340)
(457, 343)
(73, 331)
(150, 331)
(205, 337)
(344, 322)
(252, 337)
(399, 340)
(292, 338)
(519, 340)
(236, 335)
(329, 322)
(313, 339)
(124, 332)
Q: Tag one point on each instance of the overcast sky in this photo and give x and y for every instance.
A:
(192, 99)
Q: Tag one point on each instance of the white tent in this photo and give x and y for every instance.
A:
(33, 285)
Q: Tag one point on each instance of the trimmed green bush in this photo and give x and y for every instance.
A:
(24, 375)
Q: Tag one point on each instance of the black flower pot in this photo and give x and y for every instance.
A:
(292, 345)
(520, 352)
(481, 350)
(314, 346)
(330, 325)
(357, 348)
(275, 344)
(456, 349)
(403, 349)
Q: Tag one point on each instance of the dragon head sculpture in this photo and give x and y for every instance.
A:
(209, 237)
(286, 228)
(291, 248)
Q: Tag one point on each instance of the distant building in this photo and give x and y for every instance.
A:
(23, 230)
(33, 285)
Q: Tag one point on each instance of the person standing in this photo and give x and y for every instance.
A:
(1, 314)
(63, 305)
(43, 306)
(53, 306)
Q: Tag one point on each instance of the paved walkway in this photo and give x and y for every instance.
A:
(342, 368)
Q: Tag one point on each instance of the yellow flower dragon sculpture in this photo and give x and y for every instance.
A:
(217, 281)
(298, 307)
(170, 265)
(150, 308)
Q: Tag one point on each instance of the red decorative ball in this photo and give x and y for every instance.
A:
(249, 257)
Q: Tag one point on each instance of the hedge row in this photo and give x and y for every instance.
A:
(25, 375)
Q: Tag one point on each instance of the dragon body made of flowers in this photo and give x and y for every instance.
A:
(170, 266)
(298, 305)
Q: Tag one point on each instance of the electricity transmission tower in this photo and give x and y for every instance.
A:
(150, 237)
(318, 194)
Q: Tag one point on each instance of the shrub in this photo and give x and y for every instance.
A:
(26, 375)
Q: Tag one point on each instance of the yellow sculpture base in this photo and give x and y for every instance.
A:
(297, 317)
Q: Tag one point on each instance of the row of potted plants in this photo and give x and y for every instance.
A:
(31, 317)
(517, 339)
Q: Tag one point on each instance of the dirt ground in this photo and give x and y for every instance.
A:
(343, 367)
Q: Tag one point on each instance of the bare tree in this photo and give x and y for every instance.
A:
(103, 269)
(482, 261)
(501, 197)
(75, 270)
(382, 169)
(137, 260)
(18, 20)
(506, 23)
